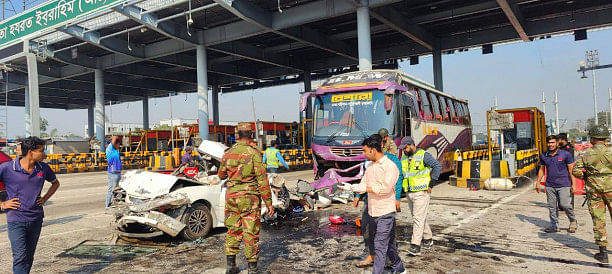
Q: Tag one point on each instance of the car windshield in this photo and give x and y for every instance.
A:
(356, 114)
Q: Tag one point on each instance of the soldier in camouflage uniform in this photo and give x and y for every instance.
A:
(389, 145)
(247, 186)
(595, 167)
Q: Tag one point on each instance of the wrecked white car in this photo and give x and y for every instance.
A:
(149, 204)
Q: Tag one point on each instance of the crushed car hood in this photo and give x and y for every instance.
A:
(212, 149)
(146, 184)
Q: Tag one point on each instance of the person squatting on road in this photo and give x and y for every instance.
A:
(24, 178)
(559, 183)
(595, 168)
(379, 182)
(247, 185)
(420, 169)
(368, 228)
(113, 158)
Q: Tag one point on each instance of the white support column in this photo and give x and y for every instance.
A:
(99, 110)
(145, 112)
(437, 69)
(91, 127)
(202, 76)
(33, 94)
(215, 99)
(557, 125)
(364, 42)
(28, 117)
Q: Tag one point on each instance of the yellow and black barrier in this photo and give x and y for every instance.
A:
(527, 162)
(473, 173)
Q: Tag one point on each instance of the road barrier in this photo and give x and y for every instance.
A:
(473, 173)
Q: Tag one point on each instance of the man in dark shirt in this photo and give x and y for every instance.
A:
(24, 178)
(565, 145)
(559, 183)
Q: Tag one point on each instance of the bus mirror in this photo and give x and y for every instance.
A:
(304, 100)
(388, 102)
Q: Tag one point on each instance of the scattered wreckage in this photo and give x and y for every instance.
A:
(149, 204)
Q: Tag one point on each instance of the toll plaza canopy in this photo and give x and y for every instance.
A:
(82, 53)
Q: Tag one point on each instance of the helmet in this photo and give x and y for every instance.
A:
(599, 132)
(383, 132)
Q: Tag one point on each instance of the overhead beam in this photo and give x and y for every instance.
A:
(112, 44)
(246, 51)
(255, 15)
(168, 28)
(515, 17)
(402, 24)
(189, 62)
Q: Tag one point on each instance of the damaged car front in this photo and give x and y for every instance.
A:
(149, 204)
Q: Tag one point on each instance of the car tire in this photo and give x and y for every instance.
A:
(198, 222)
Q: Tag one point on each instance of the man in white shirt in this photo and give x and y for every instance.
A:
(379, 182)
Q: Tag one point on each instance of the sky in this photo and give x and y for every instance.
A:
(516, 73)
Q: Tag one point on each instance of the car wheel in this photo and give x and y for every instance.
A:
(198, 221)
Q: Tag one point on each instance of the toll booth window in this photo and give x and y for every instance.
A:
(425, 105)
(451, 108)
(435, 104)
(444, 109)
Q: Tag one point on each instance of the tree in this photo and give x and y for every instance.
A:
(43, 124)
(53, 133)
(162, 127)
(602, 117)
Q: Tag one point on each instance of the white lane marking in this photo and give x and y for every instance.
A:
(478, 214)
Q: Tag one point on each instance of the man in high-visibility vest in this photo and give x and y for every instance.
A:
(420, 169)
(272, 157)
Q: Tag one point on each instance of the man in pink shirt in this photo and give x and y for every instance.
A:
(379, 182)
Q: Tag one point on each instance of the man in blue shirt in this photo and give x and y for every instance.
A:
(559, 183)
(272, 157)
(113, 158)
(368, 227)
(24, 178)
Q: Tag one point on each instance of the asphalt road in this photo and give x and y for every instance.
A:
(475, 232)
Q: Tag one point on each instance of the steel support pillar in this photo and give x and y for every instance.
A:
(90, 119)
(145, 112)
(202, 76)
(364, 42)
(28, 117)
(33, 94)
(437, 68)
(215, 95)
(99, 110)
(308, 88)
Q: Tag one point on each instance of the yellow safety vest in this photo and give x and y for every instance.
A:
(417, 175)
(271, 159)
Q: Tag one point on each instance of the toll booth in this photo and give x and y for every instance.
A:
(521, 135)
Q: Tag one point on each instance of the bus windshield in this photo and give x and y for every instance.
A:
(354, 114)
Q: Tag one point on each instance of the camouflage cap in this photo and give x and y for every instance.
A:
(599, 132)
(383, 132)
(244, 127)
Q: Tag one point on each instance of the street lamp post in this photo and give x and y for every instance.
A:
(592, 60)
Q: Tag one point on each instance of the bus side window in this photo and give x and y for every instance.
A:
(459, 110)
(425, 105)
(444, 109)
(406, 121)
(451, 107)
(466, 111)
(435, 104)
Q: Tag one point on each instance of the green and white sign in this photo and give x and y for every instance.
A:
(48, 15)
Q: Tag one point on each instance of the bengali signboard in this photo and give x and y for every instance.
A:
(49, 15)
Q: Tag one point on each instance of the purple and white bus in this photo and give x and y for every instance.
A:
(351, 106)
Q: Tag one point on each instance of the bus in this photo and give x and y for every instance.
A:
(349, 107)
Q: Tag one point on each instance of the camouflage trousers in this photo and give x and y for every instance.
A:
(242, 219)
(597, 207)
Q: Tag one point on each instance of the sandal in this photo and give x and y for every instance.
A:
(551, 229)
(572, 228)
(364, 264)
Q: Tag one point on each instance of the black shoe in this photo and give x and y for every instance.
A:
(602, 256)
(253, 268)
(414, 250)
(231, 265)
(427, 244)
